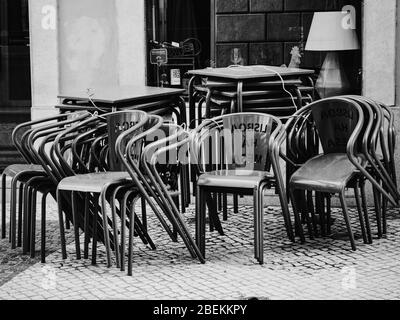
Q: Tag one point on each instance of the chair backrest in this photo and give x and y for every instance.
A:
(21, 133)
(63, 155)
(336, 120)
(39, 139)
(117, 123)
(166, 158)
(240, 141)
(82, 147)
(379, 138)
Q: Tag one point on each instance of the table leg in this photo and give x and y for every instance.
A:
(192, 103)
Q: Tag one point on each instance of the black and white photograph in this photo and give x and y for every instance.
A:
(202, 155)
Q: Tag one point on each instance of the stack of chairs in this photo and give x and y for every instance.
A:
(93, 162)
(357, 139)
(217, 97)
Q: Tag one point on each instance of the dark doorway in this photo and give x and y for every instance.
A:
(15, 79)
(177, 21)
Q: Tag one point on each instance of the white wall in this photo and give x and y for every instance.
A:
(132, 42)
(44, 56)
(93, 43)
(379, 50)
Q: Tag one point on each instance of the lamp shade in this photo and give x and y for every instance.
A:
(328, 33)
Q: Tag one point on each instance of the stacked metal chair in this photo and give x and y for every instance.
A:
(33, 177)
(126, 135)
(158, 157)
(217, 97)
(218, 145)
(275, 97)
(350, 131)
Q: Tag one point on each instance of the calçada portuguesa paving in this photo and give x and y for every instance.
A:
(324, 268)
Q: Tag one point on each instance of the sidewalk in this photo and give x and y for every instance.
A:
(319, 269)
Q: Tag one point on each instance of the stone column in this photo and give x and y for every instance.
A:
(381, 61)
(379, 50)
(80, 44)
(44, 56)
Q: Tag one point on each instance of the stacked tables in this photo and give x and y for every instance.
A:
(115, 98)
(241, 76)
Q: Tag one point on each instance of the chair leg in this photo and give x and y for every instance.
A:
(13, 215)
(75, 222)
(307, 216)
(365, 209)
(131, 236)
(61, 224)
(144, 213)
(200, 220)
(260, 213)
(174, 228)
(297, 218)
(105, 228)
(115, 226)
(27, 226)
(43, 229)
(384, 211)
(123, 229)
(20, 204)
(219, 197)
(183, 193)
(328, 214)
(235, 203)
(360, 214)
(33, 225)
(210, 213)
(225, 207)
(310, 208)
(3, 206)
(67, 224)
(86, 227)
(347, 220)
(378, 212)
(94, 240)
(256, 204)
(319, 205)
(213, 214)
(25, 218)
(285, 208)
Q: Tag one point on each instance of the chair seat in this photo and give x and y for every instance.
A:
(325, 173)
(15, 169)
(92, 182)
(233, 178)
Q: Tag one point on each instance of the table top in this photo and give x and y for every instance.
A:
(115, 95)
(250, 72)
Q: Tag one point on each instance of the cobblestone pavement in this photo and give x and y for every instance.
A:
(319, 269)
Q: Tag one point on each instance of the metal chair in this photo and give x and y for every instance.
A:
(343, 130)
(217, 147)
(142, 182)
(22, 171)
(97, 183)
(38, 141)
(172, 152)
(379, 149)
(38, 173)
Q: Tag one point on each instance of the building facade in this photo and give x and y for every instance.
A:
(86, 43)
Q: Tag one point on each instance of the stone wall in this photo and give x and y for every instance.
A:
(265, 31)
